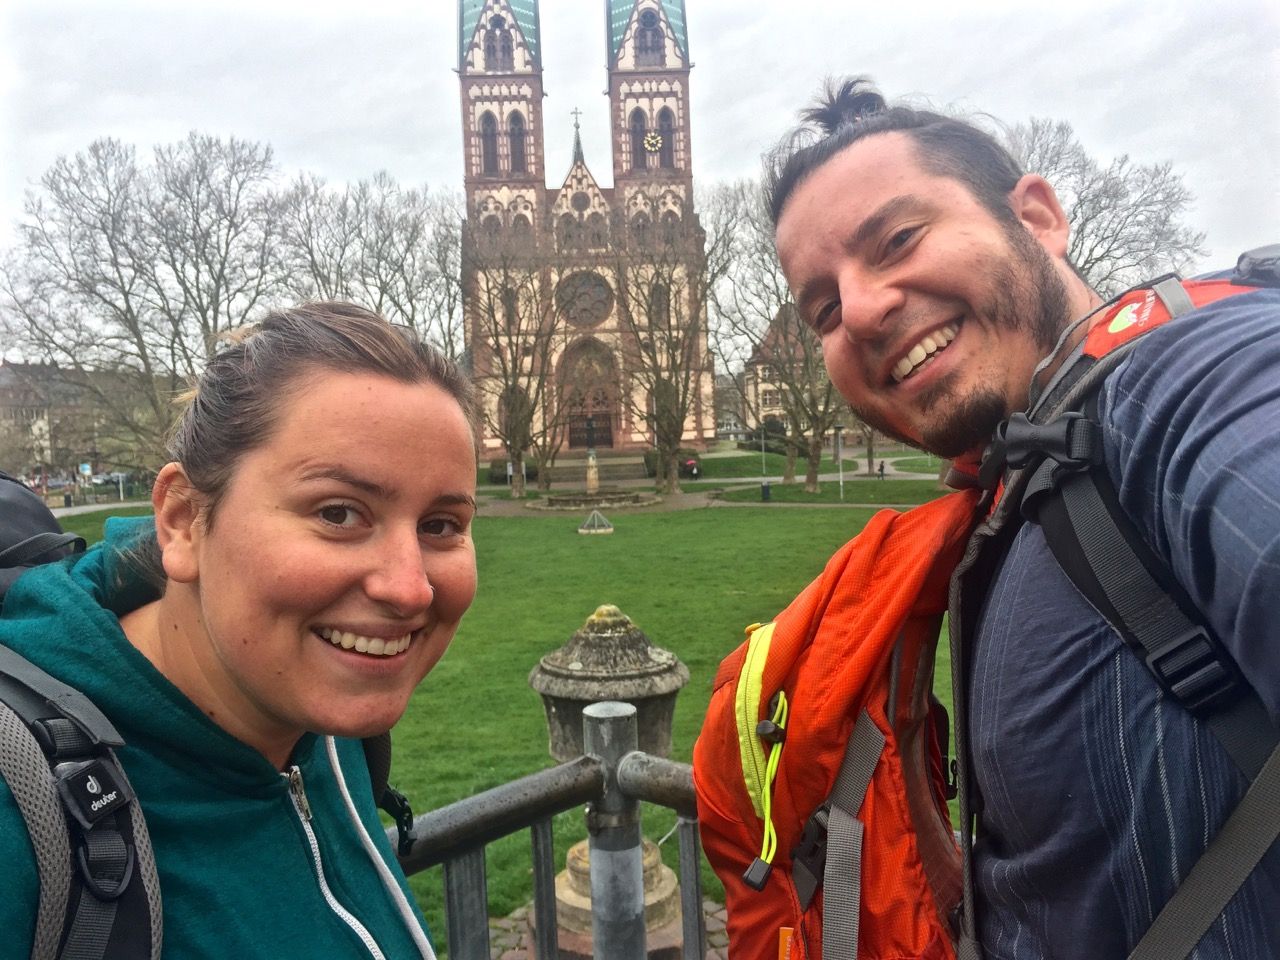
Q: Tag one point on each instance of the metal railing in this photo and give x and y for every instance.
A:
(612, 778)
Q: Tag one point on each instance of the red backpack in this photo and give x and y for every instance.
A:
(822, 755)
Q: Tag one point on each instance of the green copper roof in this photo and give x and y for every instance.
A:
(524, 11)
(618, 13)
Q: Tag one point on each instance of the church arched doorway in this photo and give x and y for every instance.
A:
(590, 393)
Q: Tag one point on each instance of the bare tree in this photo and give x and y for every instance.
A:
(514, 343)
(1127, 219)
(392, 249)
(758, 327)
(664, 276)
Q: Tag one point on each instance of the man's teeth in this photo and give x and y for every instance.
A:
(375, 646)
(923, 351)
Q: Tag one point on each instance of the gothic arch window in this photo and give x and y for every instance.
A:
(651, 50)
(667, 130)
(488, 144)
(510, 309)
(499, 53)
(659, 305)
(597, 232)
(521, 230)
(640, 229)
(670, 228)
(568, 232)
(638, 126)
(515, 134)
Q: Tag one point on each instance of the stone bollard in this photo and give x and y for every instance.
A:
(610, 659)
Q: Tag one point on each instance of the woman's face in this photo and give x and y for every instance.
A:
(337, 565)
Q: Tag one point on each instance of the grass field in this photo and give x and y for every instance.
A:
(691, 580)
(856, 490)
(918, 464)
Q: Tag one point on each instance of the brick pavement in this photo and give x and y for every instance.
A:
(509, 937)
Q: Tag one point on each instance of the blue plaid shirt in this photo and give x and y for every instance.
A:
(1099, 793)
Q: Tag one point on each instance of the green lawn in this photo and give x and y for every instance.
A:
(691, 580)
(918, 464)
(748, 465)
(89, 525)
(856, 490)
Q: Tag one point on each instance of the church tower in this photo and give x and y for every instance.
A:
(500, 69)
(648, 68)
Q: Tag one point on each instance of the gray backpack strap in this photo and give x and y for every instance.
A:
(26, 771)
(99, 889)
(1225, 864)
(842, 876)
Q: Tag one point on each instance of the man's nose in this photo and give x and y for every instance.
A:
(866, 304)
(399, 575)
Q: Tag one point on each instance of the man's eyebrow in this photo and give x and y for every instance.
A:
(876, 223)
(864, 235)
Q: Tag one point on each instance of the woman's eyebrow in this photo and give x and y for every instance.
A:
(342, 475)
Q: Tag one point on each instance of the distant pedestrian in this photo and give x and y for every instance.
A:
(881, 470)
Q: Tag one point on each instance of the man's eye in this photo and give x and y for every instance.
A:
(900, 239)
(826, 316)
(338, 515)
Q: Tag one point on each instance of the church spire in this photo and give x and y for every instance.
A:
(577, 138)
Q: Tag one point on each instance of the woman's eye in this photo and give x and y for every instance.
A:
(338, 515)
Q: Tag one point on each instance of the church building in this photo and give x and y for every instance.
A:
(584, 303)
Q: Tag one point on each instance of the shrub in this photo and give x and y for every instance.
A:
(498, 471)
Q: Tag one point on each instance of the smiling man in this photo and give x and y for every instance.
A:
(934, 271)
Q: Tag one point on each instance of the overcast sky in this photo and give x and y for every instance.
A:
(346, 89)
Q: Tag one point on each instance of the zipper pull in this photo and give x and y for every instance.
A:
(299, 794)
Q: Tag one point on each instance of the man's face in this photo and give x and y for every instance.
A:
(932, 313)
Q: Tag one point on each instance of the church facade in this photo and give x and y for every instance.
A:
(584, 305)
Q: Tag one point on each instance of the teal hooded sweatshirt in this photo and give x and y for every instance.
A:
(243, 872)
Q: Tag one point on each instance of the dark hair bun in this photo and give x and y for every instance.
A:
(847, 102)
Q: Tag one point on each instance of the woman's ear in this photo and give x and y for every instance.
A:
(179, 511)
(1037, 208)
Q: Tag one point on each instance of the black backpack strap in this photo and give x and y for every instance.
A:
(1106, 558)
(35, 549)
(99, 892)
(377, 757)
(1221, 870)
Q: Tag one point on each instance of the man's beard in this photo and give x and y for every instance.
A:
(1027, 295)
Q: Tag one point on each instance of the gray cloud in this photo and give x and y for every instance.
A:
(345, 90)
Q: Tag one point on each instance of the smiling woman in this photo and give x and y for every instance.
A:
(309, 561)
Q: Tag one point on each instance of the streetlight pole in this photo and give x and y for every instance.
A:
(762, 465)
(839, 429)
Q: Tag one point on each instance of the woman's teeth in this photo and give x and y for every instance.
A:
(924, 351)
(375, 646)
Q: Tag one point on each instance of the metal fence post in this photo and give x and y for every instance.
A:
(613, 827)
(466, 917)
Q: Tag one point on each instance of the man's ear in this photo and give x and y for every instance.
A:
(1036, 206)
(180, 527)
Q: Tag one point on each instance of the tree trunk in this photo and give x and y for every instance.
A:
(815, 458)
(870, 437)
(671, 463)
(789, 468)
(517, 475)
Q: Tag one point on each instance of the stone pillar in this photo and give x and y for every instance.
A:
(609, 658)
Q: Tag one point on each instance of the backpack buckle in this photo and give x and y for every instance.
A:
(1192, 669)
(1072, 440)
(809, 856)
